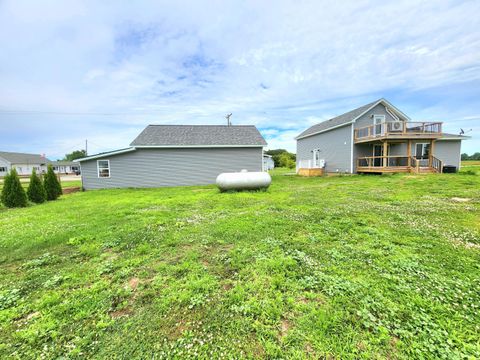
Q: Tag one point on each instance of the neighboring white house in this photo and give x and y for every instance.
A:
(65, 167)
(23, 163)
(268, 163)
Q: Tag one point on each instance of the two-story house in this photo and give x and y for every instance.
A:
(376, 138)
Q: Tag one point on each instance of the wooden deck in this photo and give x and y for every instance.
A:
(399, 131)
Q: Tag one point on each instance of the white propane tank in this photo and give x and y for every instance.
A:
(243, 180)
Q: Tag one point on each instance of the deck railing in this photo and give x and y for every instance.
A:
(436, 163)
(398, 129)
(308, 164)
(405, 163)
(383, 161)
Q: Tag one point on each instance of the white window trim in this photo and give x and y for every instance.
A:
(109, 170)
(380, 116)
(423, 146)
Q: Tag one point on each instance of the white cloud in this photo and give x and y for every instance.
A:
(283, 65)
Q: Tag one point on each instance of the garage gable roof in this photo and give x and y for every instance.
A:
(199, 135)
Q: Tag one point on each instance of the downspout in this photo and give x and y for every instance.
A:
(351, 150)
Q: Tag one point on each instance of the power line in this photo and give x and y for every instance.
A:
(39, 112)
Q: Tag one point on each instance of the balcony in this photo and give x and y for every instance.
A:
(398, 130)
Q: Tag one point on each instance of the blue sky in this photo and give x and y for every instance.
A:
(102, 71)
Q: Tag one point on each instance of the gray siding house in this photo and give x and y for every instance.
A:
(23, 163)
(377, 138)
(174, 155)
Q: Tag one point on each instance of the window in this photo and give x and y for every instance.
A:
(422, 150)
(3, 169)
(378, 119)
(103, 167)
(378, 122)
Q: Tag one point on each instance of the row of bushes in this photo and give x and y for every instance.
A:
(39, 190)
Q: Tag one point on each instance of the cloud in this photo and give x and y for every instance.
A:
(103, 70)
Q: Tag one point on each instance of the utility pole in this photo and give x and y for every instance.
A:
(86, 147)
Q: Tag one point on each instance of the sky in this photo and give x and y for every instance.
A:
(103, 70)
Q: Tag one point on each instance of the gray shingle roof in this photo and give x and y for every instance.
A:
(338, 120)
(22, 158)
(199, 135)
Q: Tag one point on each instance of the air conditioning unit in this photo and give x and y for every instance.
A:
(397, 126)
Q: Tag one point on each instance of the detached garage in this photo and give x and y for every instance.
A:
(175, 155)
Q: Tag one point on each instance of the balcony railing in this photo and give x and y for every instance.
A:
(399, 129)
(398, 163)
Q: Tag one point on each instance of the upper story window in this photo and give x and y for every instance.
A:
(103, 167)
(378, 119)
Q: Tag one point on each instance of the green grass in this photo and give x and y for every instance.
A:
(336, 267)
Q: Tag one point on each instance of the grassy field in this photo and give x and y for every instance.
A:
(337, 267)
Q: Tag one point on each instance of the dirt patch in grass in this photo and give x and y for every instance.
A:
(133, 283)
(71, 190)
(121, 313)
(460, 200)
(285, 326)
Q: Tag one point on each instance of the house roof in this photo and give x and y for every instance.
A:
(22, 158)
(103, 154)
(199, 135)
(447, 136)
(347, 118)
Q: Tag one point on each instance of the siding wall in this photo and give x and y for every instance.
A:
(170, 167)
(334, 145)
(6, 164)
(448, 151)
(367, 119)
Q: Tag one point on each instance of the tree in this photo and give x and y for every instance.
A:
(13, 194)
(465, 157)
(286, 160)
(36, 192)
(52, 186)
(77, 154)
(276, 155)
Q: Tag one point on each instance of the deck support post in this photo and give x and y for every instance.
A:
(432, 144)
(385, 154)
(409, 153)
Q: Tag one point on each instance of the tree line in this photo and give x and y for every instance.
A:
(40, 189)
(475, 156)
(282, 158)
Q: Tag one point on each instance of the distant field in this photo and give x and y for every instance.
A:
(345, 267)
(471, 163)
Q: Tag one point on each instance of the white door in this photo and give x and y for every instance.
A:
(316, 158)
(378, 124)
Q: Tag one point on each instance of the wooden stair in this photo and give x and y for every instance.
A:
(427, 170)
